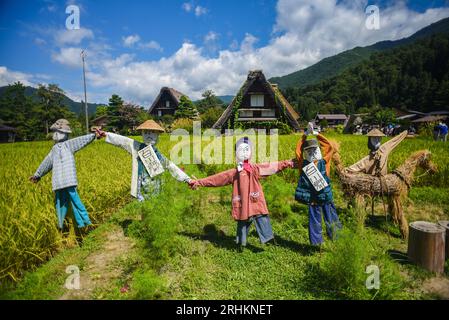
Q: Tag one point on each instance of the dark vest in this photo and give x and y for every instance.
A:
(306, 193)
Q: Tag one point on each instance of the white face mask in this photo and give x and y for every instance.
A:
(59, 136)
(312, 154)
(150, 137)
(243, 152)
(375, 142)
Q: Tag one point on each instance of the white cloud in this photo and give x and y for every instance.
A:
(135, 41)
(40, 41)
(199, 11)
(70, 56)
(186, 6)
(211, 36)
(151, 45)
(248, 42)
(9, 77)
(131, 40)
(72, 37)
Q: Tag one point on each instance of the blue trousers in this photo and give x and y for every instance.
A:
(63, 197)
(263, 228)
(331, 220)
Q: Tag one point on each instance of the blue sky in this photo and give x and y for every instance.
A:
(135, 47)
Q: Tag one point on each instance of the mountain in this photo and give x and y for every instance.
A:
(226, 99)
(76, 107)
(334, 65)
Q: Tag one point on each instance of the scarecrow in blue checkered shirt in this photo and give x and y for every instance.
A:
(64, 181)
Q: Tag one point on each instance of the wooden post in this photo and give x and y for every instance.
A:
(445, 225)
(426, 245)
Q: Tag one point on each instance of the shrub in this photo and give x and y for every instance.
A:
(183, 123)
(147, 285)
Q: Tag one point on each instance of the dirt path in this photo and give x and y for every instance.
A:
(437, 287)
(100, 271)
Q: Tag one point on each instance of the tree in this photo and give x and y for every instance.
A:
(115, 102)
(101, 111)
(186, 109)
(33, 115)
(211, 116)
(209, 100)
(50, 107)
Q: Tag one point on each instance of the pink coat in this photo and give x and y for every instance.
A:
(247, 194)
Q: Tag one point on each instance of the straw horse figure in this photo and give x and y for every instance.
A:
(395, 185)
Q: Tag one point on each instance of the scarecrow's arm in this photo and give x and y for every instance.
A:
(44, 167)
(126, 143)
(270, 168)
(388, 146)
(360, 166)
(174, 170)
(78, 143)
(299, 148)
(217, 180)
(327, 151)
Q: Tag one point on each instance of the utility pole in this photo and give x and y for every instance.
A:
(83, 55)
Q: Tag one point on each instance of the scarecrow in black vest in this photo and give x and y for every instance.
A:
(314, 186)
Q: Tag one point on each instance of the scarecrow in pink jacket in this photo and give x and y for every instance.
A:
(248, 200)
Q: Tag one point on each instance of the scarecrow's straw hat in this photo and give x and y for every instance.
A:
(375, 133)
(150, 125)
(61, 125)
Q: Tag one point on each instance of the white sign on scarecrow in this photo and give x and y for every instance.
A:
(315, 177)
(150, 161)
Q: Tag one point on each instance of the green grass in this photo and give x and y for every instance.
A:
(185, 245)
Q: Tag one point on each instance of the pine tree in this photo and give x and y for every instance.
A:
(186, 109)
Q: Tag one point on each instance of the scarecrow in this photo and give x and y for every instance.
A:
(64, 181)
(314, 186)
(147, 161)
(376, 162)
(248, 200)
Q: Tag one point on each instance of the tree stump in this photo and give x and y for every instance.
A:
(426, 245)
(445, 225)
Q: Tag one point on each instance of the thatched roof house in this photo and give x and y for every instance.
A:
(166, 102)
(332, 119)
(257, 104)
(7, 133)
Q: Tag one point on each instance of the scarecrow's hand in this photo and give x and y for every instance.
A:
(34, 179)
(193, 184)
(99, 133)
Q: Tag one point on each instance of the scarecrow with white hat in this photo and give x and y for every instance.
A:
(376, 162)
(64, 181)
(314, 185)
(147, 161)
(248, 200)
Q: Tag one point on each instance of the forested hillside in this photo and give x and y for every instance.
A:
(413, 76)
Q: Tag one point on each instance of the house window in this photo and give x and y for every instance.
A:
(246, 114)
(257, 100)
(167, 104)
(159, 113)
(268, 113)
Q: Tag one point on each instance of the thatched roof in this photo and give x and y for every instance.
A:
(7, 128)
(429, 119)
(272, 89)
(173, 92)
(331, 116)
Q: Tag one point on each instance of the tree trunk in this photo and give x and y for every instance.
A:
(445, 225)
(426, 245)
